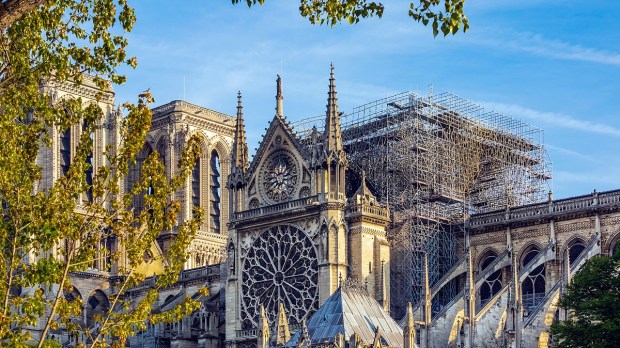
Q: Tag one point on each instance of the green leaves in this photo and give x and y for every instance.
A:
(67, 220)
(593, 304)
(449, 21)
(331, 12)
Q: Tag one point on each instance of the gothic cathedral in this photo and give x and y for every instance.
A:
(294, 235)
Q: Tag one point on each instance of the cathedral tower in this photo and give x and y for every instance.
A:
(288, 246)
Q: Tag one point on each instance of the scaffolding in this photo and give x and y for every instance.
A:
(434, 160)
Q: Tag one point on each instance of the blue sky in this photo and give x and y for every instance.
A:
(551, 63)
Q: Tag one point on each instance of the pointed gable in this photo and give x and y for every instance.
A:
(278, 126)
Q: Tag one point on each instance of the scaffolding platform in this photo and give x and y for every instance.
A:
(435, 159)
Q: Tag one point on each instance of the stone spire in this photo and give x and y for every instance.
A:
(240, 146)
(262, 337)
(333, 135)
(282, 331)
(279, 98)
(409, 329)
(427, 305)
(304, 339)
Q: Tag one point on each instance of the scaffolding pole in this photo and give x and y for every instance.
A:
(434, 160)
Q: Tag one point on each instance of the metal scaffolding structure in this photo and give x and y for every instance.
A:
(434, 160)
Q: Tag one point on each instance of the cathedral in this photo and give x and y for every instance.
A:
(302, 245)
(294, 235)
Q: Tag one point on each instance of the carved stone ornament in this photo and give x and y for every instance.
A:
(279, 177)
(281, 266)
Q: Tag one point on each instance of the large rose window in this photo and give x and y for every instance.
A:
(279, 177)
(281, 266)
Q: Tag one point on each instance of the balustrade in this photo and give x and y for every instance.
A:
(547, 209)
(276, 208)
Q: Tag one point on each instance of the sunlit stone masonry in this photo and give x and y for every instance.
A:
(414, 221)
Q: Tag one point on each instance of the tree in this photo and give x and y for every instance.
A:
(593, 303)
(48, 231)
(449, 20)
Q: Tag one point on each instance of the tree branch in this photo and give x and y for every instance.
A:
(12, 10)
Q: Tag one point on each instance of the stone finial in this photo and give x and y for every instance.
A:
(282, 331)
(279, 98)
(339, 341)
(304, 339)
(363, 192)
(355, 341)
(263, 329)
(409, 329)
(376, 342)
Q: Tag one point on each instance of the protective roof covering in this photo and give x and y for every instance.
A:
(350, 310)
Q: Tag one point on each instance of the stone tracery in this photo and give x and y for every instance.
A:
(280, 267)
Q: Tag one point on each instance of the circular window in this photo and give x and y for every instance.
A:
(279, 177)
(280, 267)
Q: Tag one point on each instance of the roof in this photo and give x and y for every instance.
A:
(347, 311)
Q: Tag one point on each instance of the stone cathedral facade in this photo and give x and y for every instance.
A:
(292, 256)
(294, 236)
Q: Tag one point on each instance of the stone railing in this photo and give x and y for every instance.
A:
(275, 208)
(184, 276)
(253, 333)
(550, 209)
(248, 333)
(332, 196)
(365, 208)
(202, 272)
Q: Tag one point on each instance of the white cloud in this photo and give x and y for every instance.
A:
(598, 179)
(556, 119)
(539, 45)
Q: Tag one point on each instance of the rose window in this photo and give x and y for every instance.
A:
(281, 266)
(279, 177)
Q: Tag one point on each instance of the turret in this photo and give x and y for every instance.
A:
(369, 250)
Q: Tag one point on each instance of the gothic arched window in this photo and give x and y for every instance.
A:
(88, 173)
(65, 151)
(575, 248)
(533, 287)
(493, 282)
(215, 192)
(196, 184)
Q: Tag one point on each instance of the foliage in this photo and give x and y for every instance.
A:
(444, 15)
(49, 230)
(593, 305)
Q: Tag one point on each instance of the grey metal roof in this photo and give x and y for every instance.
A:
(347, 311)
